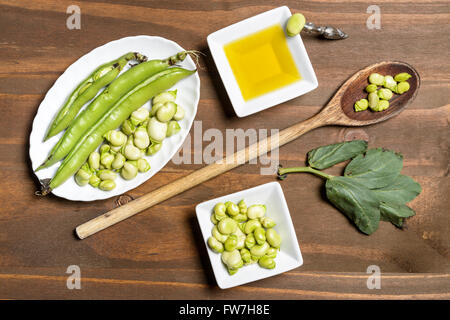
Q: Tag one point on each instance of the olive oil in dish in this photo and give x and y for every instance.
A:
(262, 62)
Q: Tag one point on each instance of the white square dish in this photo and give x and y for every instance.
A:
(289, 257)
(218, 39)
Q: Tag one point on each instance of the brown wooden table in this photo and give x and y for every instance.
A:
(160, 254)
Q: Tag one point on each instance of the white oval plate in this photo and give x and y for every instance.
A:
(188, 95)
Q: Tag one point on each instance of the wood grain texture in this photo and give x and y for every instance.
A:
(142, 258)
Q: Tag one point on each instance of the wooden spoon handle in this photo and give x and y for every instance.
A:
(178, 186)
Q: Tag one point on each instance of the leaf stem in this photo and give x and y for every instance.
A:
(282, 172)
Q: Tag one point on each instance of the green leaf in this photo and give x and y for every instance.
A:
(395, 213)
(327, 156)
(377, 168)
(356, 201)
(401, 191)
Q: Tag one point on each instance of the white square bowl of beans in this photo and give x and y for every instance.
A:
(251, 239)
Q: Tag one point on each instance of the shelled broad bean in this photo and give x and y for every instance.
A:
(243, 235)
(378, 98)
(123, 150)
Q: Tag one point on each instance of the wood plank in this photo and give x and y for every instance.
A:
(150, 284)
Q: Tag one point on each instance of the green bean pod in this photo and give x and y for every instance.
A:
(111, 120)
(87, 90)
(97, 108)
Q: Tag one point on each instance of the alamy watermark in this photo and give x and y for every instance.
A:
(374, 280)
(374, 20)
(222, 146)
(74, 20)
(74, 280)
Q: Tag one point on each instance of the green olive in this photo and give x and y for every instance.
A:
(94, 160)
(231, 243)
(107, 185)
(107, 175)
(141, 139)
(139, 116)
(116, 138)
(179, 115)
(402, 77)
(259, 250)
(172, 128)
(143, 165)
(250, 241)
(166, 112)
(251, 225)
(232, 209)
(128, 128)
(245, 255)
(215, 245)
(216, 234)
(377, 79)
(156, 130)
(266, 262)
(242, 207)
(273, 238)
(118, 162)
(94, 181)
(267, 222)
(165, 97)
(260, 235)
(232, 259)
(128, 171)
(256, 211)
(295, 24)
(227, 226)
(106, 159)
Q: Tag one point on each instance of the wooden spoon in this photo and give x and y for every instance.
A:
(339, 111)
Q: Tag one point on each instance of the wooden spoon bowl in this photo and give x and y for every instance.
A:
(354, 89)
